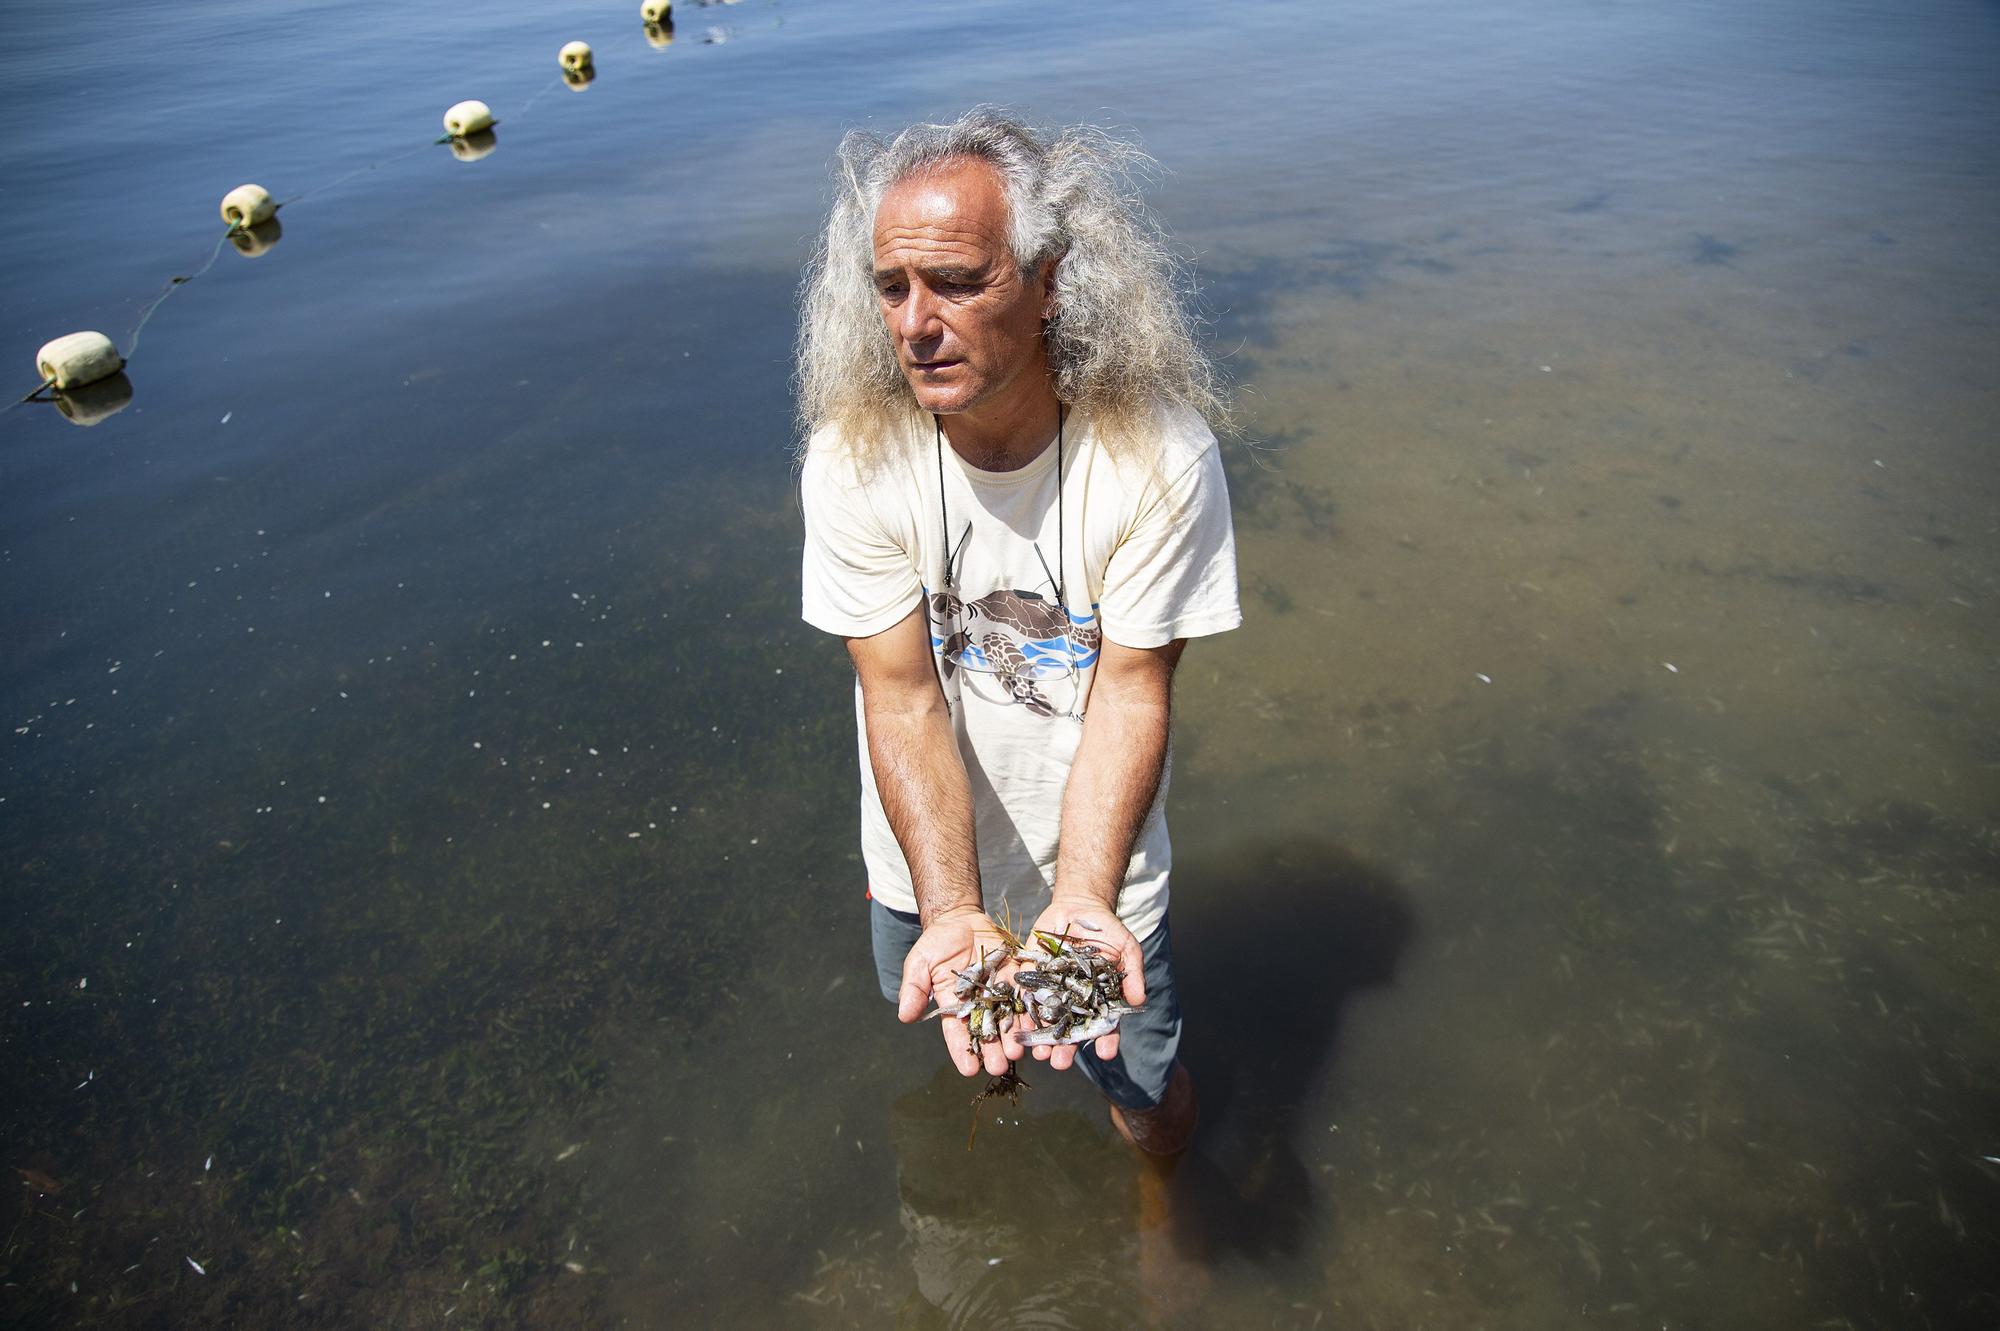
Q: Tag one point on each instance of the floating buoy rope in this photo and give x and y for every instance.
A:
(539, 93)
(173, 284)
(251, 214)
(60, 382)
(358, 171)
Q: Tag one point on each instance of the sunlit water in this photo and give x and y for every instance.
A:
(429, 835)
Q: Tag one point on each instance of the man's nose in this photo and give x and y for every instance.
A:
(919, 321)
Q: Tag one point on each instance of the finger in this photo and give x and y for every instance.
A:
(955, 1036)
(1010, 1043)
(996, 1057)
(1107, 1046)
(1041, 1053)
(1062, 1056)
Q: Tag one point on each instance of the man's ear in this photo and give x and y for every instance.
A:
(1047, 281)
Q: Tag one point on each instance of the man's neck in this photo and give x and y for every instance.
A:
(998, 438)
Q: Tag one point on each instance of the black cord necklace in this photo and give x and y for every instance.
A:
(944, 518)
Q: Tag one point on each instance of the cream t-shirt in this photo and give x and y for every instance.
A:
(1145, 554)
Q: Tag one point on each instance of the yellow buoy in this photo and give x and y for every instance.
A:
(468, 118)
(579, 79)
(76, 359)
(254, 241)
(660, 35)
(575, 55)
(247, 205)
(656, 11)
(91, 403)
(472, 147)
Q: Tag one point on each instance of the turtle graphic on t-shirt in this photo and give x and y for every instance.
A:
(1024, 637)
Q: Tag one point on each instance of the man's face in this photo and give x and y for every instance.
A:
(967, 328)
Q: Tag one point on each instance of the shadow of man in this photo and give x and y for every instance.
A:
(1272, 943)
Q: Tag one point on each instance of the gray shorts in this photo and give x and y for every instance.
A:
(1147, 1039)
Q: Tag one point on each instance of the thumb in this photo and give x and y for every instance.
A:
(1134, 962)
(916, 988)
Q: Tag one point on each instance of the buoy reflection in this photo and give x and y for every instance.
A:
(90, 403)
(257, 240)
(660, 35)
(474, 146)
(579, 79)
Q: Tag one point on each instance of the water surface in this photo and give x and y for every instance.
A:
(430, 835)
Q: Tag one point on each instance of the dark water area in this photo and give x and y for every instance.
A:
(428, 834)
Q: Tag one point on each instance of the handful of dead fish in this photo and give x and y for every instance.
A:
(1070, 987)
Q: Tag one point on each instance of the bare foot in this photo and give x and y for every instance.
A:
(1174, 1284)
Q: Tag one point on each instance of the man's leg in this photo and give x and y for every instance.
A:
(1151, 1094)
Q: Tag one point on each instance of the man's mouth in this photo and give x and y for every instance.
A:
(931, 366)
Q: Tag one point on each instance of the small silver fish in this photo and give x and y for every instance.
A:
(1083, 1032)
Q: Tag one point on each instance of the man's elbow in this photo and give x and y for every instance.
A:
(898, 702)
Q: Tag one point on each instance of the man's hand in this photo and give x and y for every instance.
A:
(1086, 918)
(952, 941)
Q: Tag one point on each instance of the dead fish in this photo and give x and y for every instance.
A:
(1082, 1032)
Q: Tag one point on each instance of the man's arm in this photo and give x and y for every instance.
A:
(921, 779)
(918, 770)
(1111, 788)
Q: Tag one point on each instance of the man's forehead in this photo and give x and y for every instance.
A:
(957, 206)
(937, 250)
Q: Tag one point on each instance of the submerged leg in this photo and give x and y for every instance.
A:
(1168, 1127)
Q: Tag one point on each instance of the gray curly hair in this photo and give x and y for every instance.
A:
(1120, 341)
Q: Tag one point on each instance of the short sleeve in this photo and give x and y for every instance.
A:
(858, 580)
(1174, 574)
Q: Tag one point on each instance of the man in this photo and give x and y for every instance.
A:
(1015, 516)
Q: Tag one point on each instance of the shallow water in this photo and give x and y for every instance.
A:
(415, 768)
